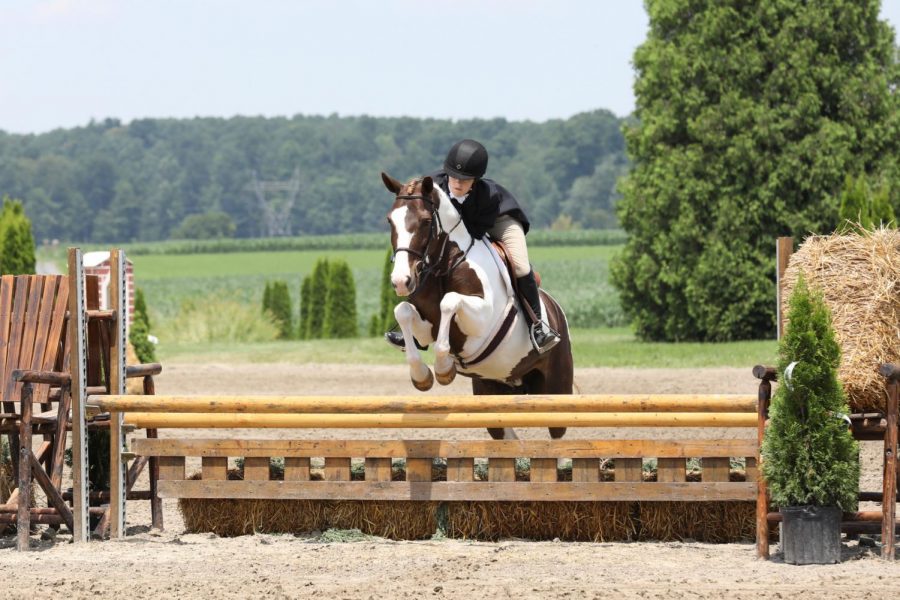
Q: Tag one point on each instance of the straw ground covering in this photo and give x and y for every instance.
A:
(485, 521)
(859, 276)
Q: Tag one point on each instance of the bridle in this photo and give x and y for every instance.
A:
(426, 266)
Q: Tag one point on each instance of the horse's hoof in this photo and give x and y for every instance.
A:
(424, 386)
(446, 378)
(557, 432)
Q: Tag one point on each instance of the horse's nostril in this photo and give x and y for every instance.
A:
(408, 281)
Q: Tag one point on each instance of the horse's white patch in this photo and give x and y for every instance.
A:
(400, 273)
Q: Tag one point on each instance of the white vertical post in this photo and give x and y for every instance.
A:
(77, 340)
(119, 305)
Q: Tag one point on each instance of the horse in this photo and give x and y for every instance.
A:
(458, 296)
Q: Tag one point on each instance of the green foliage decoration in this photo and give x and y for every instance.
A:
(809, 454)
(16, 240)
(340, 305)
(749, 115)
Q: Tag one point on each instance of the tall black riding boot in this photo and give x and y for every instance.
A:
(541, 339)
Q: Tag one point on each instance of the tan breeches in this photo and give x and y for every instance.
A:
(510, 232)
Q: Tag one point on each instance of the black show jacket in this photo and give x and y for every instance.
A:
(486, 201)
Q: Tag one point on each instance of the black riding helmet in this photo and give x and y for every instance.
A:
(466, 160)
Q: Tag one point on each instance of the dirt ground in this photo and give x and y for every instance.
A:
(153, 564)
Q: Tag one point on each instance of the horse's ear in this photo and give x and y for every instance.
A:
(427, 186)
(390, 183)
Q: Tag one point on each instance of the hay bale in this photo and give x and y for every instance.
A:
(486, 521)
(859, 276)
(568, 521)
(714, 522)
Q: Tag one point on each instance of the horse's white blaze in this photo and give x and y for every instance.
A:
(400, 273)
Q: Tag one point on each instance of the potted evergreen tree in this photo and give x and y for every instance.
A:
(810, 459)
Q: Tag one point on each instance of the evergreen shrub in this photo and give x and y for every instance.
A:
(809, 454)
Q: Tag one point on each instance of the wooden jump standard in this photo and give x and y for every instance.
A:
(463, 411)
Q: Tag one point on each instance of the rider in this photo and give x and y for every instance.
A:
(488, 207)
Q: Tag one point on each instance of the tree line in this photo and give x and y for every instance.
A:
(158, 179)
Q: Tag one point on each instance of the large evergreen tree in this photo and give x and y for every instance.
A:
(749, 117)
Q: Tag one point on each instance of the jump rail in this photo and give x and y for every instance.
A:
(459, 484)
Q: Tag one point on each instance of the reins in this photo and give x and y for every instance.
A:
(427, 267)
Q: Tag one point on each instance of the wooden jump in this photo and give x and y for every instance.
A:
(436, 420)
(456, 480)
(615, 403)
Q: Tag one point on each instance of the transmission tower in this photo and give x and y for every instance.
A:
(276, 211)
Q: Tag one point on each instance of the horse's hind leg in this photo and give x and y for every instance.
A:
(558, 374)
(483, 387)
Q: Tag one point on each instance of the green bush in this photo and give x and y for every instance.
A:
(318, 297)
(16, 240)
(140, 330)
(340, 305)
(302, 329)
(277, 302)
(809, 455)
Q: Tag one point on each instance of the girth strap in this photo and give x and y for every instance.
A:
(495, 341)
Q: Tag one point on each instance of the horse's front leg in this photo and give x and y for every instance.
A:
(414, 326)
(473, 316)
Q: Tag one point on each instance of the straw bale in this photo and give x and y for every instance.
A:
(486, 521)
(859, 276)
(568, 521)
(715, 522)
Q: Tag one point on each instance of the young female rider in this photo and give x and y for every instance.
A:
(488, 207)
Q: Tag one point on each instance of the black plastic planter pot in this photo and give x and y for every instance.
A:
(811, 535)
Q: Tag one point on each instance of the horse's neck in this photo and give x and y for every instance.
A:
(451, 221)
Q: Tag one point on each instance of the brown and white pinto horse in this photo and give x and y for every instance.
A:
(460, 299)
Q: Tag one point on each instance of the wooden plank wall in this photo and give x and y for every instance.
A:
(421, 481)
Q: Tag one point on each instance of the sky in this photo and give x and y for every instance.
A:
(65, 62)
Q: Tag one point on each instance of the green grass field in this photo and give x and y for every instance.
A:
(615, 347)
(578, 276)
